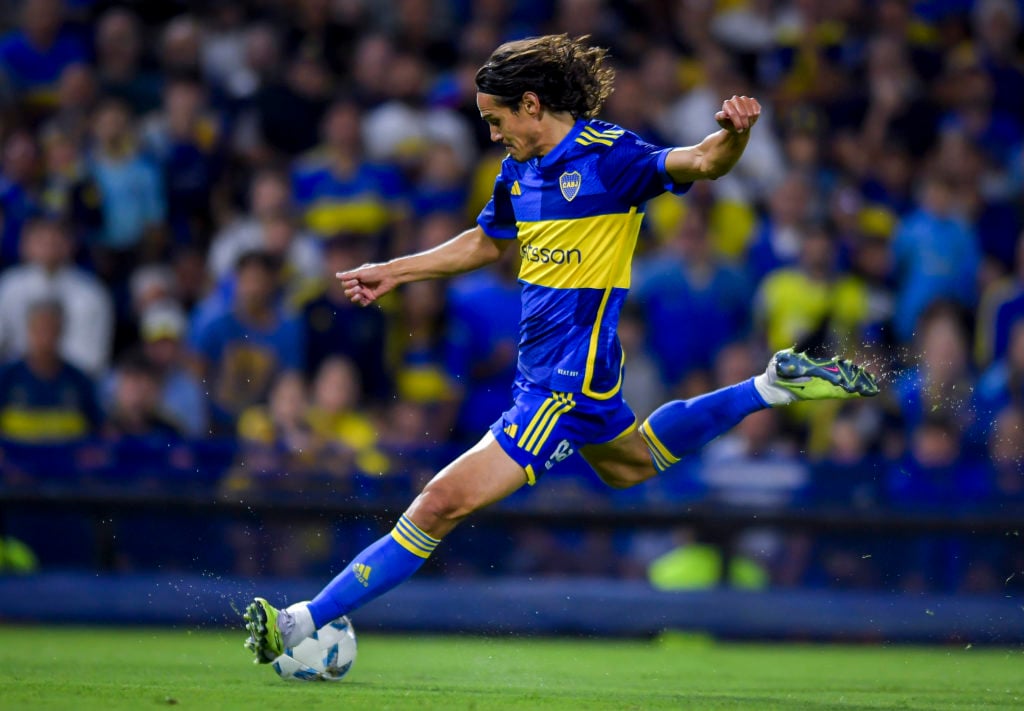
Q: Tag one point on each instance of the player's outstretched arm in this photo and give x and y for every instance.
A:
(467, 251)
(717, 154)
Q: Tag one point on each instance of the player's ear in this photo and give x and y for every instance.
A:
(531, 104)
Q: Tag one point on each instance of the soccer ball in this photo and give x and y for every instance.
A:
(326, 656)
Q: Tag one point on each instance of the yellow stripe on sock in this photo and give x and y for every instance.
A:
(533, 422)
(659, 463)
(415, 533)
(567, 405)
(408, 545)
(653, 441)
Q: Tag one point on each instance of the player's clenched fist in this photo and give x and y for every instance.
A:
(365, 284)
(738, 114)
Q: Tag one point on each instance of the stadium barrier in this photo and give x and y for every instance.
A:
(523, 606)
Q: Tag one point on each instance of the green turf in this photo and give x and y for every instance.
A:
(56, 668)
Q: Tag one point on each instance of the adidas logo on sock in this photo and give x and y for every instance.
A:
(362, 573)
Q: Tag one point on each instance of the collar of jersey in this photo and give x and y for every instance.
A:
(555, 156)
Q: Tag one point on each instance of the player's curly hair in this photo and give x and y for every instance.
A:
(564, 73)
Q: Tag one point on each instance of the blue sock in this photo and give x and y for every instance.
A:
(680, 427)
(383, 565)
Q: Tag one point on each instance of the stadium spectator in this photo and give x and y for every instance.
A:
(686, 282)
(441, 183)
(336, 418)
(313, 29)
(939, 383)
(401, 128)
(69, 193)
(936, 474)
(181, 396)
(288, 110)
(420, 374)
(339, 190)
(119, 45)
(186, 140)
(76, 97)
(1002, 384)
(33, 56)
(333, 325)
(134, 206)
(935, 255)
(44, 398)
(19, 192)
(795, 304)
(777, 239)
(1006, 450)
(480, 343)
(47, 272)
(180, 45)
(1002, 306)
(136, 410)
(269, 192)
(243, 350)
(224, 52)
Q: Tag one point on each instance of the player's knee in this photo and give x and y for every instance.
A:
(626, 477)
(443, 505)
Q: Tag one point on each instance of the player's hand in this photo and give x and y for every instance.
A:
(738, 114)
(365, 284)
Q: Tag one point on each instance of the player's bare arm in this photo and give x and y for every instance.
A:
(465, 252)
(717, 154)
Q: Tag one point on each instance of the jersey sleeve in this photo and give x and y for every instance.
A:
(497, 219)
(634, 170)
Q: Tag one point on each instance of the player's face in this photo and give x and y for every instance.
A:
(515, 130)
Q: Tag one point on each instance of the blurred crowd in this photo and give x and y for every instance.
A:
(180, 181)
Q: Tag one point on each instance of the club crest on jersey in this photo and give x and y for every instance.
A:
(569, 184)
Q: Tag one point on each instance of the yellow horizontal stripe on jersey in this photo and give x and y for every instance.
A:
(327, 217)
(552, 415)
(39, 425)
(581, 253)
(567, 405)
(537, 417)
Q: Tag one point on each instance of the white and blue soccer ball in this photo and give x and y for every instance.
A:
(326, 656)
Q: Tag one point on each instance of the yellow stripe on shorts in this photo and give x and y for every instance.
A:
(566, 404)
(537, 416)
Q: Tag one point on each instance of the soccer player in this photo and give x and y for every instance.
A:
(571, 194)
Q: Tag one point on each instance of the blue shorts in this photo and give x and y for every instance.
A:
(544, 427)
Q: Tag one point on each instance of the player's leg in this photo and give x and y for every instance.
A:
(481, 476)
(682, 427)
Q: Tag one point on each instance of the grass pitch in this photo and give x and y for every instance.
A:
(55, 668)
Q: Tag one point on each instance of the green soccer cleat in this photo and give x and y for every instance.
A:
(264, 637)
(828, 379)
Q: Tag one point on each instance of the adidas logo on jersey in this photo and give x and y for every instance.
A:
(516, 190)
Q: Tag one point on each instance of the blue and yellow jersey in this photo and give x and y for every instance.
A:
(365, 202)
(576, 213)
(61, 408)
